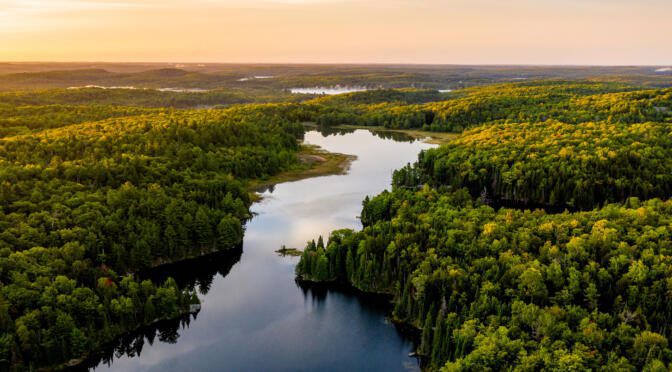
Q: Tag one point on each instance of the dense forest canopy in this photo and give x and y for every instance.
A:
(98, 184)
(142, 97)
(570, 102)
(553, 163)
(497, 289)
(24, 119)
(84, 206)
(494, 288)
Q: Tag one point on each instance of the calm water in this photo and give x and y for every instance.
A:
(254, 316)
(328, 90)
(130, 87)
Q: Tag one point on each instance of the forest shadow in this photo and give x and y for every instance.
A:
(195, 274)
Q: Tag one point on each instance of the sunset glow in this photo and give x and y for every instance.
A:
(394, 31)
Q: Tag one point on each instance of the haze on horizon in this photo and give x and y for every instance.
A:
(578, 32)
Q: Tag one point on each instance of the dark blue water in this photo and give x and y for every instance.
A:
(254, 316)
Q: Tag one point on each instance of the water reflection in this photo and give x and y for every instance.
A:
(196, 273)
(377, 132)
(254, 316)
(131, 346)
(328, 90)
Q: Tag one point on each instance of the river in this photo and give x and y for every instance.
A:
(254, 316)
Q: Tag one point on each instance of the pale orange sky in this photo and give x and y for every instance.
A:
(608, 32)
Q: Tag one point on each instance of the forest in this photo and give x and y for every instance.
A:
(552, 163)
(97, 186)
(537, 239)
(566, 101)
(85, 206)
(277, 77)
(513, 289)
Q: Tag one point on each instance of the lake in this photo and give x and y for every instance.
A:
(254, 316)
(130, 87)
(328, 90)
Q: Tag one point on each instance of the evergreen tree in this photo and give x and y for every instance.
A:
(203, 228)
(229, 232)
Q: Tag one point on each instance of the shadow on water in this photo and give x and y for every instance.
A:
(379, 132)
(132, 344)
(317, 294)
(194, 274)
(199, 274)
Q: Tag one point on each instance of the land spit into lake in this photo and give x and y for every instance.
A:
(313, 162)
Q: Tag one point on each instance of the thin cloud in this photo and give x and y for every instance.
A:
(417, 31)
(46, 5)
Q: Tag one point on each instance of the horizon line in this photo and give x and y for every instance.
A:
(341, 63)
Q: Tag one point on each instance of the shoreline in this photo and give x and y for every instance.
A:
(407, 328)
(79, 363)
(154, 273)
(313, 162)
(434, 138)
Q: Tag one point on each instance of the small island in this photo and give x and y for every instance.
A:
(284, 251)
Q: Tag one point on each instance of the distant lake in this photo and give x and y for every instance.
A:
(328, 90)
(254, 316)
(256, 77)
(183, 90)
(130, 87)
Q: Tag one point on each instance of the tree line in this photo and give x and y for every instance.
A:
(583, 283)
(513, 289)
(569, 102)
(95, 186)
(85, 206)
(552, 163)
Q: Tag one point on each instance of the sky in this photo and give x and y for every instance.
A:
(555, 32)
